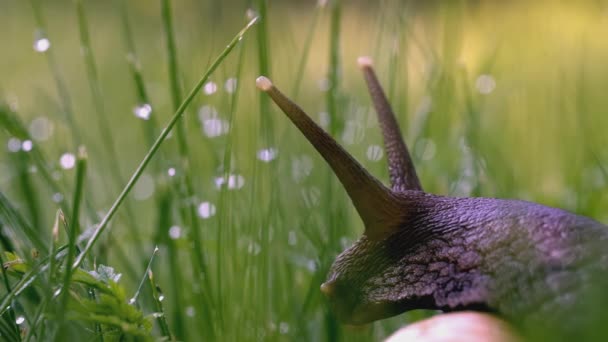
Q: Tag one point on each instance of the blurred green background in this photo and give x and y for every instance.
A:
(495, 99)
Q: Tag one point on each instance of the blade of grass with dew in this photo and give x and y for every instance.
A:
(200, 269)
(133, 299)
(104, 127)
(160, 312)
(178, 114)
(73, 228)
(164, 220)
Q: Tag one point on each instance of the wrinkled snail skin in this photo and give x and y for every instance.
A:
(520, 260)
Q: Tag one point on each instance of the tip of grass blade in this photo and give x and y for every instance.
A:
(82, 153)
(365, 62)
(263, 83)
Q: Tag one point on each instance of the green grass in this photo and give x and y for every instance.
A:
(252, 270)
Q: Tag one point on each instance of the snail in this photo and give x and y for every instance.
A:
(522, 261)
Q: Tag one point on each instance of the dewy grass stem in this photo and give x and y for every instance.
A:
(161, 138)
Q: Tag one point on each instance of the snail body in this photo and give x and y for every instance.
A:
(523, 261)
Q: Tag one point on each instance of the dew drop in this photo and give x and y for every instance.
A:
(251, 14)
(210, 88)
(311, 265)
(283, 328)
(215, 127)
(190, 311)
(143, 111)
(42, 44)
(235, 182)
(57, 197)
(485, 84)
(324, 84)
(158, 314)
(171, 172)
(57, 292)
(301, 168)
(67, 161)
(161, 298)
(311, 196)
(354, 132)
(206, 210)
(14, 145)
(324, 119)
(254, 248)
(230, 85)
(144, 188)
(41, 129)
(175, 232)
(27, 145)
(207, 112)
(374, 153)
(132, 301)
(267, 154)
(292, 238)
(20, 320)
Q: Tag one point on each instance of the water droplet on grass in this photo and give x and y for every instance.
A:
(132, 301)
(267, 154)
(254, 248)
(41, 128)
(14, 145)
(27, 145)
(67, 161)
(206, 210)
(20, 320)
(57, 197)
(210, 88)
(230, 85)
(158, 314)
(190, 311)
(175, 232)
(301, 167)
(144, 187)
(143, 111)
(161, 298)
(215, 127)
(235, 182)
(485, 84)
(41, 44)
(283, 328)
(171, 172)
(374, 153)
(292, 238)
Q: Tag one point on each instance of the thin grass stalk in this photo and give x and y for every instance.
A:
(224, 223)
(73, 231)
(190, 216)
(306, 51)
(336, 215)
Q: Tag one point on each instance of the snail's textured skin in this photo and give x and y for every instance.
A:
(516, 258)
